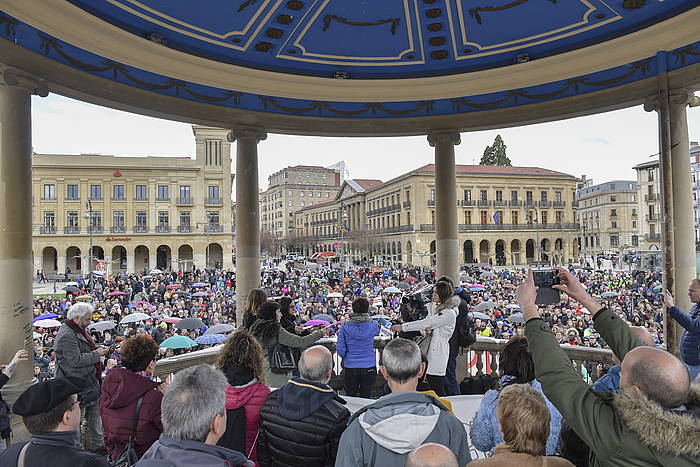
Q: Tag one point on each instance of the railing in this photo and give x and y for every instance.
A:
(49, 198)
(47, 229)
(213, 228)
(162, 228)
(71, 230)
(427, 227)
(483, 202)
(431, 203)
(185, 201)
(466, 202)
(486, 350)
(385, 209)
(184, 228)
(140, 229)
(96, 229)
(209, 200)
(544, 204)
(67, 198)
(652, 237)
(555, 226)
(559, 204)
(515, 203)
(396, 229)
(500, 203)
(652, 217)
(651, 198)
(117, 229)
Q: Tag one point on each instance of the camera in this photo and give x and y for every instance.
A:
(544, 280)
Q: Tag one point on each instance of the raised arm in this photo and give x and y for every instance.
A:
(447, 317)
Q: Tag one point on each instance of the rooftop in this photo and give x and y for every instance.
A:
(613, 185)
(498, 170)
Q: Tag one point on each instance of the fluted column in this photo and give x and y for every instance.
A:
(247, 213)
(16, 89)
(446, 233)
(678, 233)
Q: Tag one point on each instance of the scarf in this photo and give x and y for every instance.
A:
(81, 331)
(356, 318)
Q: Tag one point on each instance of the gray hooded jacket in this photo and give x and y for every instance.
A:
(384, 432)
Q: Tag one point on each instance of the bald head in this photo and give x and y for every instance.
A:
(431, 455)
(657, 374)
(316, 364)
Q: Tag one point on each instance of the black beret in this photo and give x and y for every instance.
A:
(42, 397)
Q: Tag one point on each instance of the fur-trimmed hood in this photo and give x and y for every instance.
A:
(672, 432)
(452, 302)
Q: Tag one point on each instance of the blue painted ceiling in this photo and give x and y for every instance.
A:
(374, 39)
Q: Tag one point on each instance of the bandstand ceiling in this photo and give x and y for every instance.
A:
(360, 67)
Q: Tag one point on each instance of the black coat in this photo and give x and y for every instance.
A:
(311, 441)
(462, 318)
(4, 411)
(52, 449)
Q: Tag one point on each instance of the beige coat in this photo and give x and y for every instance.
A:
(504, 457)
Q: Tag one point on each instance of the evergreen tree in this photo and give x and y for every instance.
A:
(495, 154)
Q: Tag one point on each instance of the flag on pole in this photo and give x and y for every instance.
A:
(496, 218)
(345, 227)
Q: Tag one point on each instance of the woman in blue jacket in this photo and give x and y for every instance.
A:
(356, 348)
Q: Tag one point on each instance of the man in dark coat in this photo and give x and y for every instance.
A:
(301, 423)
(51, 413)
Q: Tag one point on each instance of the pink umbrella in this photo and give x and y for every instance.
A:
(317, 322)
(115, 294)
(144, 304)
(174, 286)
(171, 320)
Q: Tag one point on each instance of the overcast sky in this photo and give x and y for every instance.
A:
(604, 147)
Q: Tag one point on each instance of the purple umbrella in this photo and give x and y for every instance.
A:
(144, 304)
(317, 322)
(200, 294)
(199, 284)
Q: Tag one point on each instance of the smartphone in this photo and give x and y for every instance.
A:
(544, 280)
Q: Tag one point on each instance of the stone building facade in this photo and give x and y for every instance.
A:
(649, 201)
(147, 212)
(507, 215)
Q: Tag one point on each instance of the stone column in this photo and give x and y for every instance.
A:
(16, 88)
(247, 213)
(446, 233)
(130, 263)
(678, 234)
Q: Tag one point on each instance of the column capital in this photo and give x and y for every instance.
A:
(443, 136)
(681, 97)
(30, 83)
(247, 132)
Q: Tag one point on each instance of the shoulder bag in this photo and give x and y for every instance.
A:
(128, 456)
(281, 358)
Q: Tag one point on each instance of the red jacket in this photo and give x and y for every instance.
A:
(120, 391)
(251, 398)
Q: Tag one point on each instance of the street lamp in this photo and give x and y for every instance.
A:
(89, 216)
(344, 218)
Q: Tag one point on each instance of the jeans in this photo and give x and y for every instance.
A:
(360, 381)
(91, 427)
(694, 371)
(437, 384)
(451, 384)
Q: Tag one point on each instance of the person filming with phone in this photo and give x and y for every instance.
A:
(690, 340)
(648, 422)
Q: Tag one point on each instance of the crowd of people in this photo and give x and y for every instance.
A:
(267, 399)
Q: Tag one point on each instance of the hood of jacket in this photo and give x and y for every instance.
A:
(121, 387)
(194, 454)
(238, 396)
(360, 330)
(453, 302)
(400, 422)
(265, 330)
(300, 398)
(668, 431)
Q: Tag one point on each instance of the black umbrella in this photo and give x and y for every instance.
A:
(403, 286)
(71, 289)
(189, 323)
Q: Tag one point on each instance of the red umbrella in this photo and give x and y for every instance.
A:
(174, 286)
(171, 320)
(115, 294)
(411, 279)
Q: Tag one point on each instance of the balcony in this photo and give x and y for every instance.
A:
(117, 229)
(47, 229)
(515, 203)
(559, 204)
(163, 228)
(545, 204)
(185, 201)
(651, 198)
(140, 229)
(49, 198)
(71, 199)
(95, 229)
(500, 203)
(72, 229)
(651, 217)
(395, 229)
(213, 228)
(213, 201)
(427, 227)
(483, 202)
(406, 204)
(652, 238)
(528, 203)
(466, 202)
(184, 228)
(508, 227)
(431, 203)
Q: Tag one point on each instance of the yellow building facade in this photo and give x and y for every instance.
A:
(507, 215)
(138, 213)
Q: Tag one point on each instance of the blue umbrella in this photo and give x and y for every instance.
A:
(609, 294)
(46, 316)
(178, 342)
(199, 284)
(207, 339)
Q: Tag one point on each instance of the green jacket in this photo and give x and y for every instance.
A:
(625, 429)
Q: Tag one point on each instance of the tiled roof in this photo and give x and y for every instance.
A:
(367, 184)
(497, 170)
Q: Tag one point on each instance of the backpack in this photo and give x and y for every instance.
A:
(464, 326)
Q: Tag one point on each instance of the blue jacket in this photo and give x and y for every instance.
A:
(484, 431)
(609, 382)
(356, 344)
(690, 340)
(169, 452)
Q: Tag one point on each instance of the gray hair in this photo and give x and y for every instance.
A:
(402, 360)
(315, 370)
(192, 401)
(80, 309)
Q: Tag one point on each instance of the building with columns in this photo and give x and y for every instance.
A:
(503, 213)
(147, 212)
(695, 168)
(293, 188)
(608, 215)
